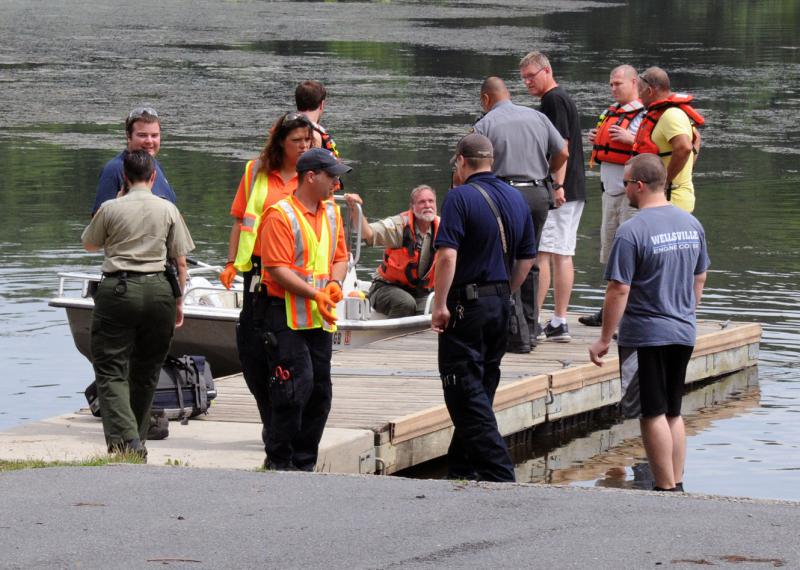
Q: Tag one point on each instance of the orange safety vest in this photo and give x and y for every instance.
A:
(644, 142)
(606, 150)
(312, 262)
(400, 264)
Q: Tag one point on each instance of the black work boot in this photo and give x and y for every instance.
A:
(593, 320)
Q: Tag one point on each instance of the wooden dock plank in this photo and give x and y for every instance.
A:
(392, 387)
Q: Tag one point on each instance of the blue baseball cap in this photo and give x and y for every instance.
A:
(321, 159)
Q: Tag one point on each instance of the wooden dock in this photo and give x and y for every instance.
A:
(392, 388)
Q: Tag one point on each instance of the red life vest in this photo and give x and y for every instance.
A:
(399, 265)
(644, 142)
(606, 150)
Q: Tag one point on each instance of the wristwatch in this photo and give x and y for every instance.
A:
(557, 186)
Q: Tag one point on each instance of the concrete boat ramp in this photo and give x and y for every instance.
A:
(388, 413)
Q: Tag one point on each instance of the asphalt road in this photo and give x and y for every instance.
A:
(144, 516)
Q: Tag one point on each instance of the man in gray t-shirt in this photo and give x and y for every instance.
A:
(655, 272)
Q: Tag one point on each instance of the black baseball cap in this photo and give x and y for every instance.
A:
(473, 145)
(321, 159)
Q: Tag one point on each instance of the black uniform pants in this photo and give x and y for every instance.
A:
(538, 199)
(299, 385)
(252, 355)
(470, 351)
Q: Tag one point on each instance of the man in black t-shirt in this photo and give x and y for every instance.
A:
(559, 236)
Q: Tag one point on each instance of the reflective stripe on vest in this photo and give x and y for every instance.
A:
(606, 150)
(256, 187)
(313, 258)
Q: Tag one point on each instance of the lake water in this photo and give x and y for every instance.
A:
(403, 80)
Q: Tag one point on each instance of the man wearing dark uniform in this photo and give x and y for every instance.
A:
(485, 248)
(136, 308)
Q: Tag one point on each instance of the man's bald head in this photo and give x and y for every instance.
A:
(625, 71)
(493, 90)
(623, 83)
(653, 85)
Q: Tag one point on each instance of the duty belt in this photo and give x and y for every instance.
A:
(474, 291)
(124, 274)
(517, 183)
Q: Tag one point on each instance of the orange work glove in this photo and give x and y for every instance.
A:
(334, 290)
(325, 305)
(227, 275)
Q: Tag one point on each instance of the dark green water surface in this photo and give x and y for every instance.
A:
(403, 80)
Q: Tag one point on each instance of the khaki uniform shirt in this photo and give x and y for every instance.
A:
(138, 232)
(388, 232)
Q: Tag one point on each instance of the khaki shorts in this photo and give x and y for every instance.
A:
(560, 233)
(616, 209)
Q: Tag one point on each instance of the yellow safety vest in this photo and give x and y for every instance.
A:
(312, 261)
(256, 186)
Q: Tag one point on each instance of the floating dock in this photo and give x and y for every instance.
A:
(388, 411)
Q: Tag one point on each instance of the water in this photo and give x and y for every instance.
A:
(403, 82)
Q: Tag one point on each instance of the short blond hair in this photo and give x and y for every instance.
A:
(535, 58)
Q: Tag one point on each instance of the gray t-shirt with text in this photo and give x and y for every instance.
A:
(658, 253)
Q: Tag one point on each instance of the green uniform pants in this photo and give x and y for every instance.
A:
(394, 301)
(132, 329)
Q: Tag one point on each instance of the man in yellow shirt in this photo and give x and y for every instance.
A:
(668, 130)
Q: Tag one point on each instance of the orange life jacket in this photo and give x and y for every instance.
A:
(400, 265)
(606, 150)
(644, 142)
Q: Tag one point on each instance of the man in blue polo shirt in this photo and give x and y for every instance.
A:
(485, 248)
(143, 131)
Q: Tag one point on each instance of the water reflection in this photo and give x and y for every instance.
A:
(614, 456)
(403, 87)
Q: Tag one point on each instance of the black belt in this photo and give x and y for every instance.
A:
(473, 291)
(517, 183)
(131, 274)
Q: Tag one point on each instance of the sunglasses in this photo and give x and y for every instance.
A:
(644, 80)
(294, 117)
(139, 112)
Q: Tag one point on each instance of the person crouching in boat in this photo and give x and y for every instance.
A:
(304, 257)
(266, 180)
(404, 278)
(138, 304)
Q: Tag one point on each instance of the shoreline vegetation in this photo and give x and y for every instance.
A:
(93, 461)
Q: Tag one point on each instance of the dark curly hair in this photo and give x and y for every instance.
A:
(271, 156)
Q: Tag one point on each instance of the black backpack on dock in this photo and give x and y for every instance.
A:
(185, 389)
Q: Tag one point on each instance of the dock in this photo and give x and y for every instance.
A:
(388, 411)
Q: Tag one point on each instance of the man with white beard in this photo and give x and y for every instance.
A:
(405, 276)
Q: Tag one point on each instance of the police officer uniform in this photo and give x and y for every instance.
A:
(134, 308)
(474, 341)
(523, 138)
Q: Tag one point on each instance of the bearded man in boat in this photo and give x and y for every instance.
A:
(404, 278)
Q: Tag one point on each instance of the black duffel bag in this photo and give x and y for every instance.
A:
(185, 388)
